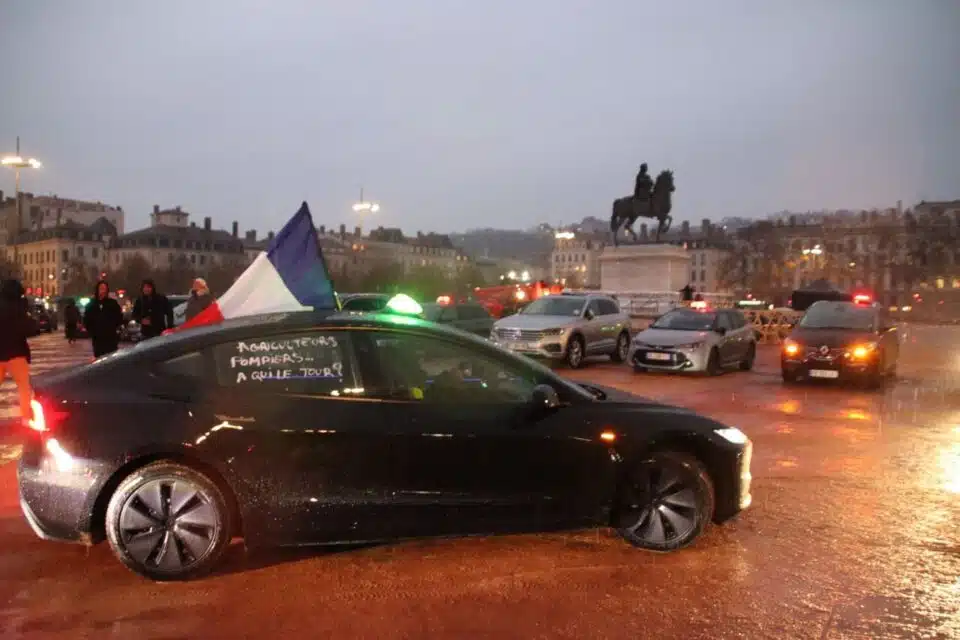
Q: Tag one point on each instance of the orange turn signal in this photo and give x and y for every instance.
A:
(608, 436)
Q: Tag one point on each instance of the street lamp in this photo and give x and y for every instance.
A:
(364, 207)
(17, 162)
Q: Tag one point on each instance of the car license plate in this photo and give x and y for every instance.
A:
(824, 373)
(656, 355)
(521, 346)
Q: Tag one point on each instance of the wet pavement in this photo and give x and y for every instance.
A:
(854, 533)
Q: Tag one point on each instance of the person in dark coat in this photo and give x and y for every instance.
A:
(152, 311)
(71, 320)
(103, 319)
(15, 327)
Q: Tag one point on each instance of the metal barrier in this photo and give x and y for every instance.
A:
(650, 304)
(772, 326)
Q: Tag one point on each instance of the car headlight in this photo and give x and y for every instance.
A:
(732, 434)
(690, 346)
(860, 351)
(791, 347)
(553, 332)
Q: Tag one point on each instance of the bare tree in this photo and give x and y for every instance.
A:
(80, 278)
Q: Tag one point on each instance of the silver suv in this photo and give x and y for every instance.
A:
(567, 327)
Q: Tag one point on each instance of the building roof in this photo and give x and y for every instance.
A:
(69, 230)
(180, 238)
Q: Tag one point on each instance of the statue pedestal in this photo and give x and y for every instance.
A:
(644, 268)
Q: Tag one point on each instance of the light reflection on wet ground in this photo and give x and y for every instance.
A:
(853, 534)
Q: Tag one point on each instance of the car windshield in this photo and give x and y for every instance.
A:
(685, 320)
(555, 306)
(839, 315)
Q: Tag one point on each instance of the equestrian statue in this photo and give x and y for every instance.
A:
(651, 199)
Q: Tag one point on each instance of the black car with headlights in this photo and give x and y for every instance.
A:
(841, 341)
(315, 428)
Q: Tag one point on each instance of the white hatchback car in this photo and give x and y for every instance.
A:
(702, 340)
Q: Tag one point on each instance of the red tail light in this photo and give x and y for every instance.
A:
(45, 417)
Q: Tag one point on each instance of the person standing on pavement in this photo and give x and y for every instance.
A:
(71, 320)
(153, 311)
(15, 327)
(103, 319)
(200, 298)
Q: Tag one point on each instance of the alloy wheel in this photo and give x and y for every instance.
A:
(169, 525)
(662, 507)
(623, 346)
(575, 353)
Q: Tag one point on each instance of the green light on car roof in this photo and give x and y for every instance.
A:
(404, 305)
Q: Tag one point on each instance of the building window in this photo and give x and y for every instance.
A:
(79, 252)
(95, 252)
(703, 275)
(65, 255)
(693, 275)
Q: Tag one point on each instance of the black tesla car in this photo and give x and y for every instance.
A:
(311, 428)
(844, 341)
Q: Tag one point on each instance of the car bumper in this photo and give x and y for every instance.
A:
(670, 359)
(549, 347)
(839, 368)
(56, 504)
(736, 497)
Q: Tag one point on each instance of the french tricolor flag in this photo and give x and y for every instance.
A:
(289, 276)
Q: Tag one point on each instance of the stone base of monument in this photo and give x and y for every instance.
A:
(653, 268)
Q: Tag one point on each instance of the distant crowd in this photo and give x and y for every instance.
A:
(102, 319)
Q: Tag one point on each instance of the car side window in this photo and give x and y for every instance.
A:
(723, 321)
(403, 366)
(594, 307)
(188, 365)
(737, 320)
(310, 362)
(608, 307)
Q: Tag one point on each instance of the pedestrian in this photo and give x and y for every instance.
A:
(15, 327)
(200, 298)
(71, 320)
(153, 311)
(103, 319)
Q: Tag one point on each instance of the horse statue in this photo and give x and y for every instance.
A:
(627, 210)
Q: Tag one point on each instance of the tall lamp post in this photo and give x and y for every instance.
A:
(17, 162)
(364, 207)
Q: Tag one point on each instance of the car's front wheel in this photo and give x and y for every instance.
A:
(575, 352)
(747, 363)
(168, 521)
(623, 348)
(666, 502)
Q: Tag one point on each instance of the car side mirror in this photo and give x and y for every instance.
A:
(544, 399)
(588, 314)
(721, 330)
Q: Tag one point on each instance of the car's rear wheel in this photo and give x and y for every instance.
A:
(666, 502)
(747, 363)
(623, 348)
(168, 521)
(575, 352)
(713, 363)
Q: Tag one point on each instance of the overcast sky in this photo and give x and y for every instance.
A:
(457, 114)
